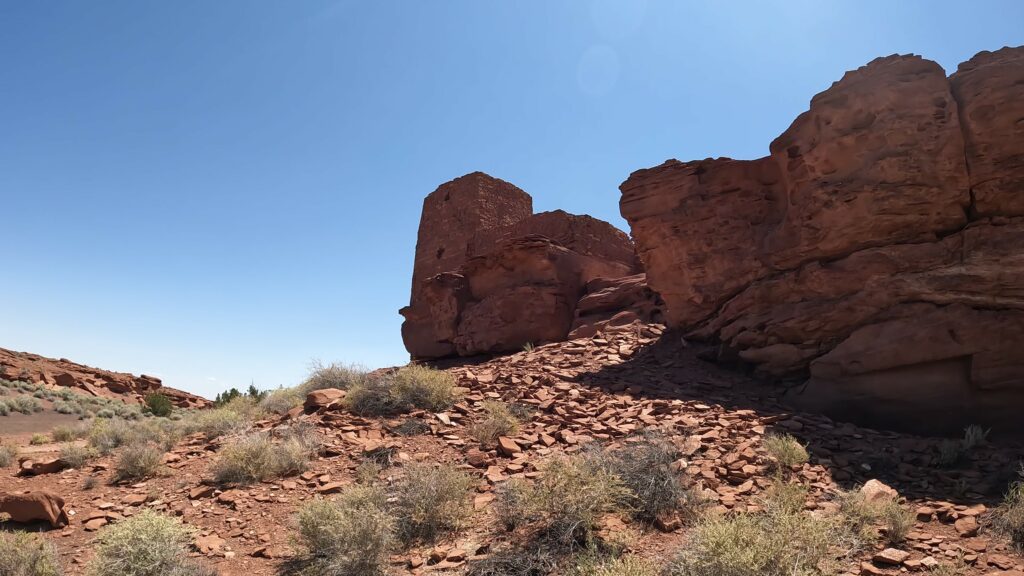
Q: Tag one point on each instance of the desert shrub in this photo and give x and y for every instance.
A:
(25, 404)
(412, 427)
(62, 434)
(5, 409)
(105, 413)
(371, 398)
(431, 500)
(955, 452)
(368, 472)
(498, 421)
(617, 566)
(147, 544)
(62, 407)
(75, 456)
(350, 536)
(645, 468)
(566, 501)
(1008, 517)
(532, 561)
(138, 461)
(39, 439)
(786, 450)
(24, 554)
(8, 453)
(781, 541)
(215, 422)
(332, 375)
(862, 516)
(158, 404)
(257, 457)
(108, 434)
(417, 386)
(282, 400)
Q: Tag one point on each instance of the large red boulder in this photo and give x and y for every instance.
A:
(878, 250)
(34, 506)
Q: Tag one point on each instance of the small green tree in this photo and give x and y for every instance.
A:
(158, 404)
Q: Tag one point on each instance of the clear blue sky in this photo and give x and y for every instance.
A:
(217, 192)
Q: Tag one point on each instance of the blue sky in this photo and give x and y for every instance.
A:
(219, 192)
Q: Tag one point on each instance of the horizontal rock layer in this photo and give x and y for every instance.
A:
(878, 249)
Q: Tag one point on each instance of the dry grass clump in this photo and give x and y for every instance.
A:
(786, 450)
(497, 421)
(39, 440)
(75, 456)
(781, 541)
(216, 422)
(334, 375)
(408, 388)
(628, 565)
(8, 453)
(138, 461)
(350, 536)
(431, 500)
(645, 468)
(1008, 517)
(65, 433)
(257, 457)
(566, 502)
(106, 435)
(862, 516)
(23, 554)
(148, 544)
(24, 404)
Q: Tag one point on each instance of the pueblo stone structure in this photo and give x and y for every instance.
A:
(491, 276)
(877, 251)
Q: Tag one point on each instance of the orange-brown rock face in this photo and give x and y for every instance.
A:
(517, 281)
(879, 248)
(126, 387)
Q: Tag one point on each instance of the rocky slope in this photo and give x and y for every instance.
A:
(93, 381)
(878, 249)
(590, 390)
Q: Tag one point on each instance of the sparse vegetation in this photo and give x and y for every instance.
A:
(628, 565)
(75, 456)
(1009, 516)
(368, 472)
(431, 500)
(138, 461)
(333, 375)
(215, 422)
(785, 450)
(497, 421)
(533, 561)
(863, 516)
(955, 452)
(8, 453)
(412, 427)
(24, 554)
(566, 502)
(645, 468)
(781, 541)
(106, 435)
(25, 404)
(39, 440)
(257, 457)
(148, 544)
(350, 536)
(409, 387)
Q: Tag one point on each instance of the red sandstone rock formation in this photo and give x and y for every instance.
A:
(63, 372)
(491, 278)
(878, 249)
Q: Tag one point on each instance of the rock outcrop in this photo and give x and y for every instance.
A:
(34, 506)
(878, 249)
(94, 381)
(491, 278)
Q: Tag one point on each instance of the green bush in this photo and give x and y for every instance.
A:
(566, 502)
(257, 458)
(148, 544)
(645, 468)
(1009, 516)
(138, 462)
(498, 421)
(431, 500)
(8, 453)
(39, 439)
(159, 405)
(785, 450)
(24, 554)
(350, 536)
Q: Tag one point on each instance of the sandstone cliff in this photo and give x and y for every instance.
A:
(878, 248)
